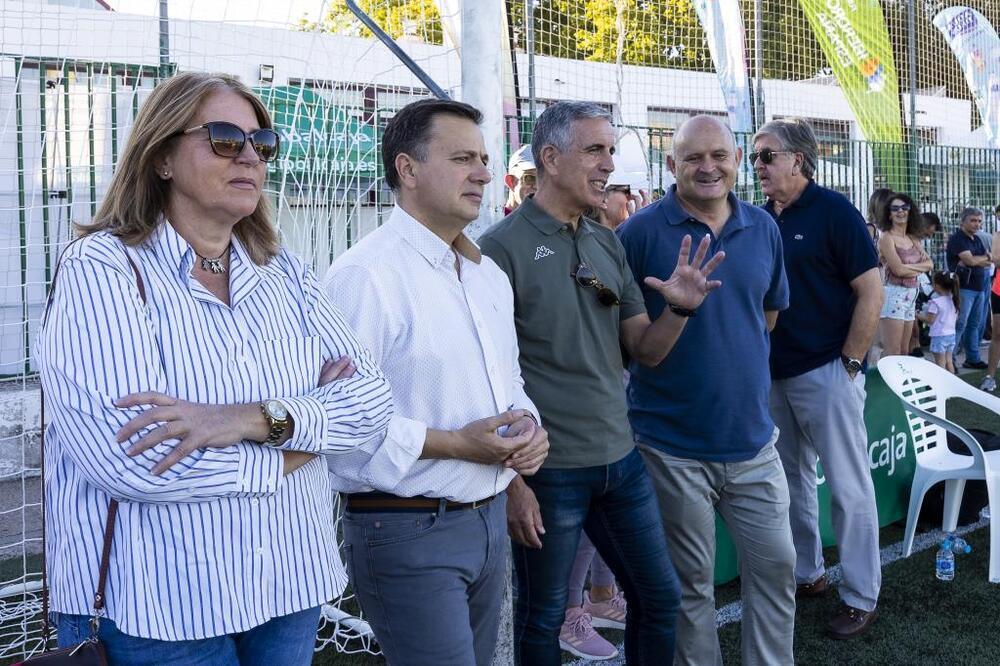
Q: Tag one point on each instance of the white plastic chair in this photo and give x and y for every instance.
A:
(924, 389)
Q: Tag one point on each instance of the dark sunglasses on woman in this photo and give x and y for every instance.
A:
(228, 140)
(899, 208)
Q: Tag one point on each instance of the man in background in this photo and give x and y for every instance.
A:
(521, 178)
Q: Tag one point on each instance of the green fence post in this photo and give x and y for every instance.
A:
(114, 117)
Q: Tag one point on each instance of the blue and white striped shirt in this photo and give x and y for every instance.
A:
(221, 542)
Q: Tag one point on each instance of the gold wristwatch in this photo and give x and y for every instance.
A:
(277, 419)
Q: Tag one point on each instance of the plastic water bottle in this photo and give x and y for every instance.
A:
(945, 566)
(959, 546)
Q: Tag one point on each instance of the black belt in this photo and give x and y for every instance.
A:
(376, 502)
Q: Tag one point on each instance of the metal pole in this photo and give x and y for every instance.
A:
(68, 142)
(529, 25)
(911, 48)
(22, 226)
(482, 87)
(164, 39)
(758, 56)
(390, 44)
(44, 154)
(92, 158)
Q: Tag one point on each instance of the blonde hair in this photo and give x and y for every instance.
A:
(137, 196)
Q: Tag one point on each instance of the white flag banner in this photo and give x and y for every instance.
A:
(723, 26)
(977, 47)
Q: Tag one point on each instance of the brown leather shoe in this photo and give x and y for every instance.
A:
(817, 588)
(850, 622)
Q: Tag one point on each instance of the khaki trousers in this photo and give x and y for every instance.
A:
(752, 498)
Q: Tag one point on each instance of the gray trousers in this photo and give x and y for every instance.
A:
(430, 584)
(821, 414)
(753, 499)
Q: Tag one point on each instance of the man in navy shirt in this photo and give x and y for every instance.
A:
(701, 416)
(817, 397)
(968, 258)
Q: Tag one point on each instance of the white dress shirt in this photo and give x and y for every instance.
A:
(446, 342)
(222, 541)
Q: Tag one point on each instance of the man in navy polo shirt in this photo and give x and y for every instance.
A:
(968, 258)
(817, 347)
(701, 415)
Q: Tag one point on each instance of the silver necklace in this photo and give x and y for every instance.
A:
(213, 265)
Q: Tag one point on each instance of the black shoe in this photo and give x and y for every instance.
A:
(917, 353)
(975, 365)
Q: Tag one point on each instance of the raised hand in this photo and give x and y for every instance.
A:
(688, 285)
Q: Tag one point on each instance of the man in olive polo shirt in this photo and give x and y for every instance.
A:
(575, 303)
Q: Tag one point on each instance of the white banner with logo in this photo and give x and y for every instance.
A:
(977, 47)
(723, 25)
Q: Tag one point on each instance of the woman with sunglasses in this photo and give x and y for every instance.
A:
(903, 259)
(196, 373)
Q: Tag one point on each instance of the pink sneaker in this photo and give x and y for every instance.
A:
(578, 637)
(608, 614)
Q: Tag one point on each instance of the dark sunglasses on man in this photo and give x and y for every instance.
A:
(586, 278)
(624, 189)
(228, 140)
(766, 155)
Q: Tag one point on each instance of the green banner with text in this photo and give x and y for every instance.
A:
(855, 40)
(322, 144)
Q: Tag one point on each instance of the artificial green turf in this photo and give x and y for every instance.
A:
(921, 620)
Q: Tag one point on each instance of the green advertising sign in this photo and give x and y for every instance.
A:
(319, 141)
(854, 38)
(890, 459)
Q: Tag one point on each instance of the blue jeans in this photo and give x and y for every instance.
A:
(969, 327)
(616, 505)
(288, 639)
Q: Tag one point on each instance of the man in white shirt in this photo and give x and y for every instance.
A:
(425, 523)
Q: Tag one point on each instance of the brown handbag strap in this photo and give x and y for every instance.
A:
(109, 525)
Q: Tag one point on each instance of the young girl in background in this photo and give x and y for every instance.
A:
(941, 314)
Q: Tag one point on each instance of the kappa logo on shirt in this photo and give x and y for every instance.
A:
(798, 236)
(541, 252)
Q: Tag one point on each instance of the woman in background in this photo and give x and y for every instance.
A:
(903, 259)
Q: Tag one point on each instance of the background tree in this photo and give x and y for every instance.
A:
(398, 18)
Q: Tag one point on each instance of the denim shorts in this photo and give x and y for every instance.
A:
(942, 343)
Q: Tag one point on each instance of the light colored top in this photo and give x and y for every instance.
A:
(945, 316)
(447, 344)
(221, 542)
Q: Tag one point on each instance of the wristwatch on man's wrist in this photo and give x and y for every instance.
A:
(277, 420)
(852, 365)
